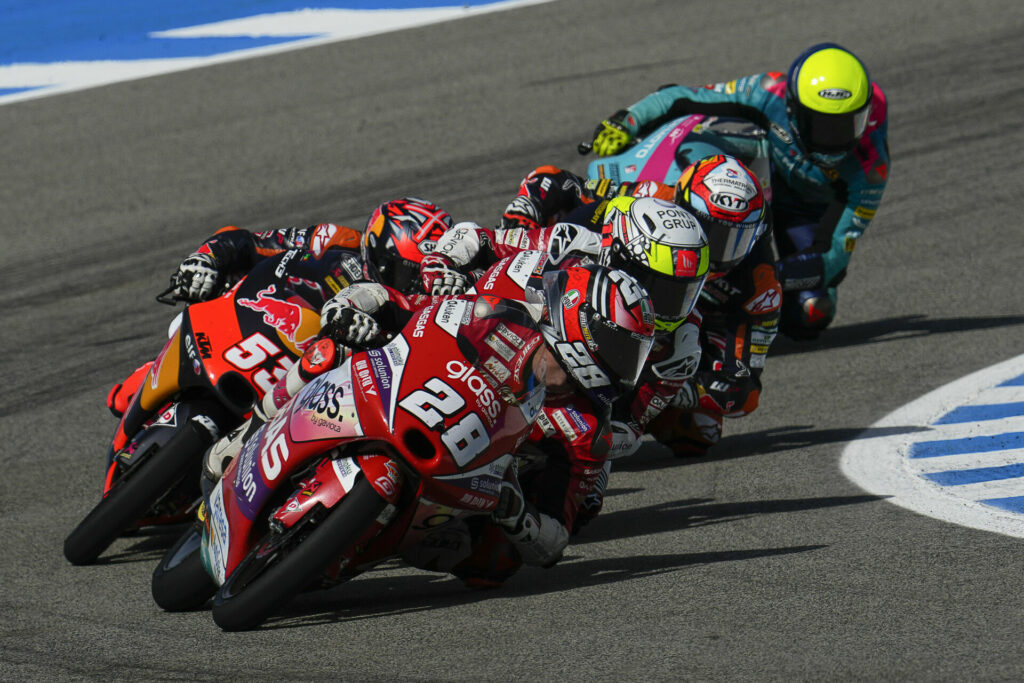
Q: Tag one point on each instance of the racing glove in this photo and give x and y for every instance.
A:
(439, 277)
(688, 397)
(611, 136)
(347, 324)
(521, 212)
(197, 277)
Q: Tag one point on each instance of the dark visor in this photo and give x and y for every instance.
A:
(398, 273)
(623, 354)
(831, 132)
(673, 297)
(729, 243)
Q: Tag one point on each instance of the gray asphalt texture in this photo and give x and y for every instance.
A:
(760, 563)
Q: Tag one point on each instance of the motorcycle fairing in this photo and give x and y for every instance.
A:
(663, 154)
(326, 408)
(418, 404)
(387, 364)
(478, 488)
(652, 158)
(214, 548)
(335, 477)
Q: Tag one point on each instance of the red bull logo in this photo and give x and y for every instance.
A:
(283, 316)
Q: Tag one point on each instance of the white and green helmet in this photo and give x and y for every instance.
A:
(663, 247)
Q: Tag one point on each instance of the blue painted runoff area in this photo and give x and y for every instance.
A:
(976, 475)
(995, 411)
(1012, 504)
(45, 31)
(11, 91)
(972, 444)
(1015, 382)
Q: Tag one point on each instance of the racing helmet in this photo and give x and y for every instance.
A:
(726, 198)
(828, 100)
(663, 247)
(397, 237)
(599, 326)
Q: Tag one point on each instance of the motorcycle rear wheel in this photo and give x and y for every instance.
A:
(180, 582)
(277, 569)
(130, 498)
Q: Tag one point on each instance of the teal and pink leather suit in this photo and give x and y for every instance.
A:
(819, 213)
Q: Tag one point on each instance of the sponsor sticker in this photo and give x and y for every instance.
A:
(500, 347)
(218, 545)
(497, 368)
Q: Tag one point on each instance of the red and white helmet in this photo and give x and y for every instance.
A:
(727, 199)
(600, 328)
(397, 237)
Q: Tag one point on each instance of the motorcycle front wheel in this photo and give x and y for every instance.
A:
(180, 582)
(282, 564)
(130, 498)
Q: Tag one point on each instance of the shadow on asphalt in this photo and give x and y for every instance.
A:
(653, 455)
(145, 545)
(697, 512)
(889, 329)
(367, 597)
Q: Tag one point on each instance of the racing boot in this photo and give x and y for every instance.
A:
(594, 501)
(539, 538)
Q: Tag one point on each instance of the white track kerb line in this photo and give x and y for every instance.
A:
(956, 454)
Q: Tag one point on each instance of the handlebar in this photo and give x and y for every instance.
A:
(584, 148)
(171, 290)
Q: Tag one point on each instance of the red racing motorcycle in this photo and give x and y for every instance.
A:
(222, 355)
(368, 461)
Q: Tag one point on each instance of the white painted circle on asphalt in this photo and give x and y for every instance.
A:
(955, 454)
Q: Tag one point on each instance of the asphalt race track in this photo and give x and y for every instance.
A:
(761, 562)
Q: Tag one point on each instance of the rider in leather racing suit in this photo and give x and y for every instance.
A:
(739, 303)
(827, 125)
(592, 303)
(676, 352)
(327, 257)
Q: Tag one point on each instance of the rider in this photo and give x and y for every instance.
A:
(652, 239)
(739, 303)
(328, 257)
(659, 244)
(592, 330)
(397, 236)
(827, 125)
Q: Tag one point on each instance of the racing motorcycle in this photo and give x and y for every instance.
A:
(386, 455)
(664, 152)
(221, 356)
